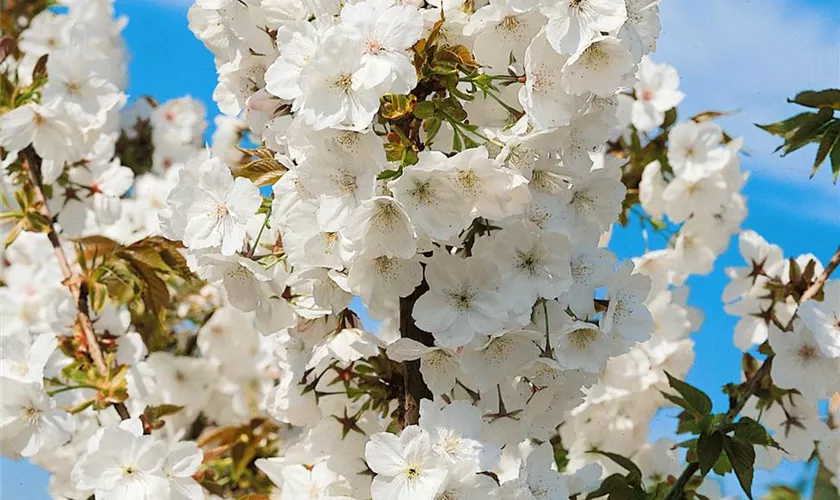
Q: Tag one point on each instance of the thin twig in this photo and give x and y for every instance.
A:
(818, 283)
(77, 287)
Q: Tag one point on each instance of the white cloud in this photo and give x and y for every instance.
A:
(751, 56)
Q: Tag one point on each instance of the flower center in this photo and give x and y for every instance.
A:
(807, 353)
(451, 441)
(583, 337)
(468, 182)
(422, 193)
(346, 183)
(385, 266)
(373, 47)
(31, 415)
(461, 299)
(386, 216)
(73, 88)
(527, 262)
(509, 23)
(344, 81)
(412, 472)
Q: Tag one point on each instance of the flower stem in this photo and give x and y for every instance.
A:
(260, 233)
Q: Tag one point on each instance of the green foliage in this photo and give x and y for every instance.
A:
(779, 492)
(26, 216)
(820, 127)
(722, 446)
(617, 487)
(693, 399)
(135, 276)
(709, 447)
(634, 474)
(228, 469)
(824, 489)
(742, 457)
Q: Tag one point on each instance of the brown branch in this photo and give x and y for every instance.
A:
(415, 387)
(750, 386)
(77, 287)
(818, 283)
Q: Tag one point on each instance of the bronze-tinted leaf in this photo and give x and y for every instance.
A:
(822, 99)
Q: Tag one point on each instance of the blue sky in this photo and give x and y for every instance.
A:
(748, 55)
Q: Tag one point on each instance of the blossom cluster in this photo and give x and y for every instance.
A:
(453, 172)
(804, 339)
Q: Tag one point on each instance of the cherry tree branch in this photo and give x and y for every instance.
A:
(415, 387)
(77, 287)
(818, 283)
(751, 385)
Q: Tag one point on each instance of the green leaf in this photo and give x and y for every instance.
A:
(635, 474)
(424, 110)
(13, 233)
(387, 175)
(615, 484)
(823, 487)
(431, 127)
(835, 162)
(10, 217)
(453, 108)
(709, 448)
(695, 399)
(752, 432)
(808, 132)
(823, 99)
(742, 457)
(722, 466)
(831, 137)
(786, 128)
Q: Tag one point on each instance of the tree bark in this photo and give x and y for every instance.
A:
(415, 387)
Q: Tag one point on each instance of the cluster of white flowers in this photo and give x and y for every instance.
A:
(484, 258)
(74, 129)
(701, 191)
(506, 237)
(76, 121)
(805, 341)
